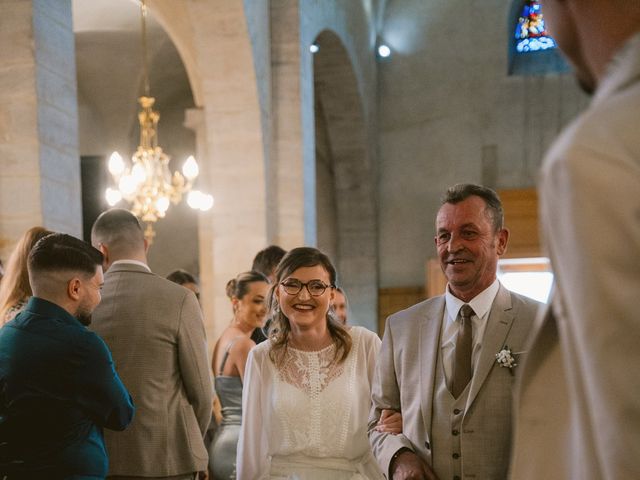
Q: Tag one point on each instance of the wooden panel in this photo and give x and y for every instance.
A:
(521, 218)
(392, 300)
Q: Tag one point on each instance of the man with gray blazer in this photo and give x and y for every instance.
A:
(155, 331)
(448, 363)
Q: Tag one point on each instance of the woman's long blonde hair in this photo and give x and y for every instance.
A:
(280, 327)
(15, 287)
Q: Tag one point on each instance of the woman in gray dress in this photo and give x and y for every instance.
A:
(247, 292)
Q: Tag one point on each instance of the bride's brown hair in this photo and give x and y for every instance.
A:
(280, 327)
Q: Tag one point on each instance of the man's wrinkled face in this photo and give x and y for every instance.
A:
(468, 246)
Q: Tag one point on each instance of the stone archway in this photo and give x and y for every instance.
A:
(345, 178)
(215, 45)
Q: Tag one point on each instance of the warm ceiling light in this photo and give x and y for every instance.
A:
(147, 184)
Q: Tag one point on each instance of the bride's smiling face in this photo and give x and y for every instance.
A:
(305, 296)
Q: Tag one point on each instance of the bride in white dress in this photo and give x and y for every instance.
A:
(306, 394)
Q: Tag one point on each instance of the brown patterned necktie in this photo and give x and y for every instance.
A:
(462, 357)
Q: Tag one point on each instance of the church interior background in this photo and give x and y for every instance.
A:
(340, 148)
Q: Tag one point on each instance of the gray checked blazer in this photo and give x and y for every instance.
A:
(155, 331)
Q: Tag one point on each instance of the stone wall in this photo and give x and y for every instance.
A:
(39, 162)
(450, 113)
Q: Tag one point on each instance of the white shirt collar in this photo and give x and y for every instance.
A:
(481, 303)
(134, 262)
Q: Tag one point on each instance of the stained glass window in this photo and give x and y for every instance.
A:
(531, 34)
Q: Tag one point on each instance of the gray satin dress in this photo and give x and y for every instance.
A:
(222, 452)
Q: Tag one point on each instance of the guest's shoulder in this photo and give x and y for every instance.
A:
(524, 301)
(161, 286)
(261, 350)
(363, 335)
(89, 339)
(364, 339)
(525, 309)
(418, 311)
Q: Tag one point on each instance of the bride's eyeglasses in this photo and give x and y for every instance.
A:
(314, 287)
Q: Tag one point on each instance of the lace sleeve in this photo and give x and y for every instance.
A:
(252, 455)
(372, 345)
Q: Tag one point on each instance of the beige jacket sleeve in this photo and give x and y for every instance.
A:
(385, 393)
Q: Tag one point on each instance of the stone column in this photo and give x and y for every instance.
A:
(39, 161)
(294, 192)
(234, 157)
(195, 120)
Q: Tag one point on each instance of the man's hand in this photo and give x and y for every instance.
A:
(390, 422)
(408, 466)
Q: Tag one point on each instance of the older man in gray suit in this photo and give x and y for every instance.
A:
(155, 332)
(448, 363)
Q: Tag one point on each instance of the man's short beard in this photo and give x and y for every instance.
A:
(84, 318)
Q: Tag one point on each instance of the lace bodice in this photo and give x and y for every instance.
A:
(311, 407)
(313, 400)
(310, 372)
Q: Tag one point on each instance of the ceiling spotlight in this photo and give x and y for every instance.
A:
(384, 51)
(313, 48)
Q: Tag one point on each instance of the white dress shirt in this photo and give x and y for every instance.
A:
(481, 305)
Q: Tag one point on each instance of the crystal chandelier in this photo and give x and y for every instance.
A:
(147, 183)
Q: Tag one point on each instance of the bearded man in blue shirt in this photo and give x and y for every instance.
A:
(58, 384)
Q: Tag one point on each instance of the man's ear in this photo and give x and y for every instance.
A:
(146, 245)
(502, 238)
(104, 250)
(73, 288)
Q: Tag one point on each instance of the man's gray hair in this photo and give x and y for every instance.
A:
(462, 191)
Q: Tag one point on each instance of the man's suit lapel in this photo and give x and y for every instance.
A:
(429, 346)
(498, 325)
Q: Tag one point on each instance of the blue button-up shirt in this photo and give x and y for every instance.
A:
(58, 389)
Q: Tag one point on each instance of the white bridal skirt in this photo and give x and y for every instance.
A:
(312, 468)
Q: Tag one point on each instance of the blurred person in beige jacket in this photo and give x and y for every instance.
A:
(578, 407)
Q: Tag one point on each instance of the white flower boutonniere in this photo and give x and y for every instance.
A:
(506, 358)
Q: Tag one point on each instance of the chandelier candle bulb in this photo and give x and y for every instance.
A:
(116, 164)
(127, 185)
(190, 168)
(113, 196)
(138, 173)
(207, 202)
(162, 204)
(194, 199)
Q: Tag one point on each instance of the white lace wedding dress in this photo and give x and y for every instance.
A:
(308, 420)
